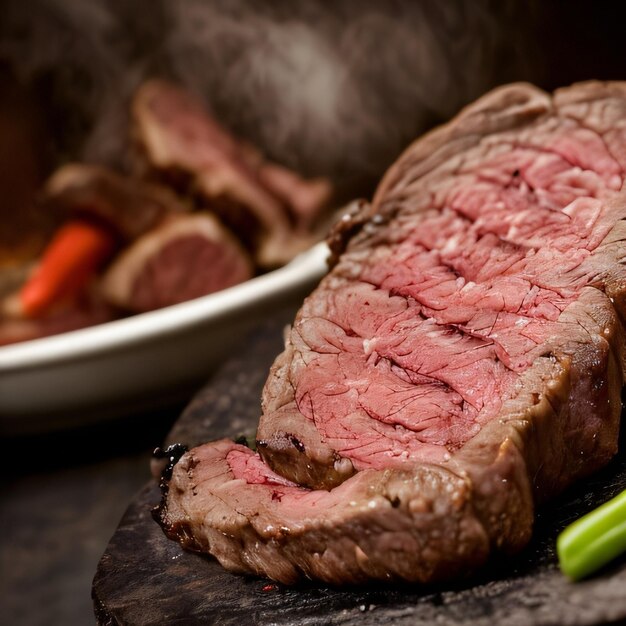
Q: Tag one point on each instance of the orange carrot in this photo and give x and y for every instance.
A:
(75, 253)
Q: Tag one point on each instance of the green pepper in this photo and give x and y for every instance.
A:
(593, 540)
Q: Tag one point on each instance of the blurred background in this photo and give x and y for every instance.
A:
(328, 89)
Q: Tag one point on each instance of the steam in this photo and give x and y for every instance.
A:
(327, 88)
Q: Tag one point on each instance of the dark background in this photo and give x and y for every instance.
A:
(328, 88)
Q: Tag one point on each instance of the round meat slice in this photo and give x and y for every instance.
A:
(187, 257)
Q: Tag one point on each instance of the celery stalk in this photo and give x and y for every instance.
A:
(593, 540)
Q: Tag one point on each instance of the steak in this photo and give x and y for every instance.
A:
(462, 361)
(186, 257)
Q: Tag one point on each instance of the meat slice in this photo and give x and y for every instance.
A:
(268, 205)
(186, 257)
(127, 206)
(361, 529)
(303, 199)
(462, 361)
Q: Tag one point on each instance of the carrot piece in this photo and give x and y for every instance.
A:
(75, 253)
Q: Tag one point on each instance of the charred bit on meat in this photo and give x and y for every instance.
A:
(173, 454)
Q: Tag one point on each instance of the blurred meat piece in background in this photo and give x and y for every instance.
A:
(184, 258)
(125, 205)
(269, 205)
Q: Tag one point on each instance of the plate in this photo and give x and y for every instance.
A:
(141, 361)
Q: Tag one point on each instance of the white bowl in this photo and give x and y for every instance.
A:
(144, 360)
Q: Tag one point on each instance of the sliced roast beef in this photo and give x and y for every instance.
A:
(462, 361)
(186, 257)
(181, 140)
(127, 206)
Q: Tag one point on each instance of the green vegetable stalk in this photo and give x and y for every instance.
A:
(593, 540)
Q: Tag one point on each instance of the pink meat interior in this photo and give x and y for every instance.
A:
(405, 357)
(188, 267)
(194, 139)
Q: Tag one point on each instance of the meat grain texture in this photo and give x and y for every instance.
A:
(462, 362)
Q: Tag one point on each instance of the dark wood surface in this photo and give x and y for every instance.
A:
(62, 495)
(144, 578)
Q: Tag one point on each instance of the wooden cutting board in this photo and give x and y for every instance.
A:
(144, 578)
